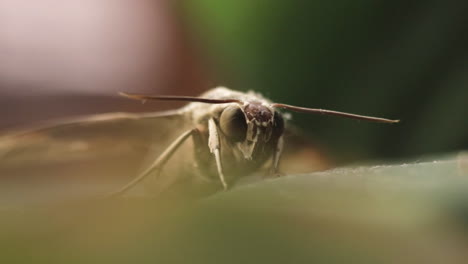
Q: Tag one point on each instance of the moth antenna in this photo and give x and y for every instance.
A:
(143, 97)
(334, 113)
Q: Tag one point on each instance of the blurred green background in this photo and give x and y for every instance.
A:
(397, 59)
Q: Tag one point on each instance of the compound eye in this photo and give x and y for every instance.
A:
(233, 123)
(278, 125)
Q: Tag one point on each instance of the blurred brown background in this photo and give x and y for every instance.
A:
(62, 58)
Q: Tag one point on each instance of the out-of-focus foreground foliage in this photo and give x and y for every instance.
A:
(398, 59)
(413, 213)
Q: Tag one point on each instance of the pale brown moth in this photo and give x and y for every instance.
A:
(232, 134)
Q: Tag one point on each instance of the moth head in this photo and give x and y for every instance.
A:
(251, 123)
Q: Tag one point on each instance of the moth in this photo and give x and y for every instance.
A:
(219, 137)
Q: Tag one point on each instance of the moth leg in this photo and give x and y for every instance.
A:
(276, 157)
(158, 164)
(214, 145)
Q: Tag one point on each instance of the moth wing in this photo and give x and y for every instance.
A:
(301, 154)
(101, 150)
